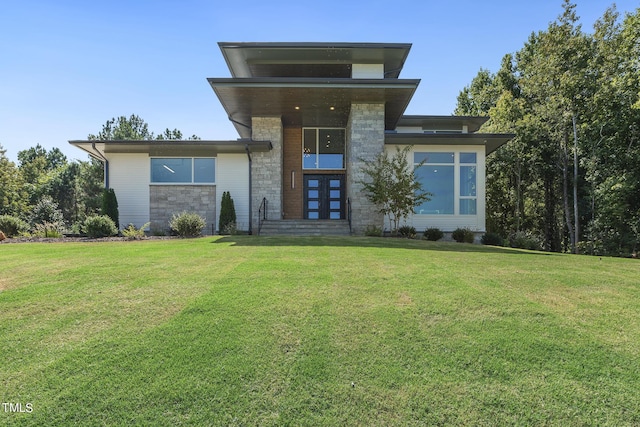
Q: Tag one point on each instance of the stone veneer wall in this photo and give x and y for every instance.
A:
(365, 140)
(166, 200)
(266, 173)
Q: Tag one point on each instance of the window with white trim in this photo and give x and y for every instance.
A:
(183, 170)
(451, 178)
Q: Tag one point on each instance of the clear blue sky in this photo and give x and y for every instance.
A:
(67, 66)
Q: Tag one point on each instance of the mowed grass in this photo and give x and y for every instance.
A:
(316, 331)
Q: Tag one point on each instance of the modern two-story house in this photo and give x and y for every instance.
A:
(308, 115)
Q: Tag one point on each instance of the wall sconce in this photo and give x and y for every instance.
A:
(293, 179)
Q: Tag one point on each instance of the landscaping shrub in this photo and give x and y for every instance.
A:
(407, 231)
(12, 226)
(373, 231)
(99, 226)
(110, 206)
(463, 235)
(493, 239)
(46, 210)
(230, 228)
(133, 233)
(523, 240)
(49, 229)
(187, 224)
(433, 234)
(227, 214)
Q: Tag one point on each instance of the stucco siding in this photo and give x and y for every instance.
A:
(129, 177)
(233, 176)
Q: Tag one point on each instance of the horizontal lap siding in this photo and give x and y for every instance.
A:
(232, 175)
(129, 178)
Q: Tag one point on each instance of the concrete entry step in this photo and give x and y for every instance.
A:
(305, 227)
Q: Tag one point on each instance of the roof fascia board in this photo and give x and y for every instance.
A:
(278, 82)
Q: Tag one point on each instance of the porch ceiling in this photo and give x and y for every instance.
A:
(492, 141)
(309, 101)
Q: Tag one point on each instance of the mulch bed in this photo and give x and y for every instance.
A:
(78, 239)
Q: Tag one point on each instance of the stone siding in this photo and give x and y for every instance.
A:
(365, 140)
(166, 200)
(266, 173)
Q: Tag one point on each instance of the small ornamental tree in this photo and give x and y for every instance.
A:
(110, 205)
(392, 186)
(227, 212)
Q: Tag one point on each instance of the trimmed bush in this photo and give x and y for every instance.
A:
(493, 239)
(110, 206)
(231, 229)
(99, 226)
(523, 240)
(13, 226)
(463, 235)
(133, 233)
(373, 231)
(407, 231)
(433, 234)
(48, 229)
(227, 214)
(187, 224)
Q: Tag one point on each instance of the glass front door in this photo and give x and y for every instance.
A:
(324, 197)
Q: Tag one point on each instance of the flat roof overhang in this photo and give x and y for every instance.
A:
(473, 123)
(266, 59)
(97, 149)
(492, 141)
(309, 101)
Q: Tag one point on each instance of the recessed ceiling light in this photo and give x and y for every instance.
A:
(332, 108)
(296, 107)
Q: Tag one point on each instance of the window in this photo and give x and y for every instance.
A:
(468, 184)
(187, 170)
(440, 174)
(323, 148)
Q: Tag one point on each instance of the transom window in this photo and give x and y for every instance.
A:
(323, 148)
(183, 170)
(451, 179)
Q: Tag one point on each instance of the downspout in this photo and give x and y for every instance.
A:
(106, 164)
(246, 147)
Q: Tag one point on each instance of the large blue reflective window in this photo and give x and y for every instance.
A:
(171, 170)
(204, 171)
(437, 180)
(467, 180)
(185, 170)
(323, 148)
(438, 175)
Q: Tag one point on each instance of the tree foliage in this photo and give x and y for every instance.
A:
(131, 128)
(570, 174)
(13, 197)
(392, 186)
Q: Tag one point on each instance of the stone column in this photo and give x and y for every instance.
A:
(365, 140)
(266, 174)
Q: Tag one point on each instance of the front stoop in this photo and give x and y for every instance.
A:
(305, 227)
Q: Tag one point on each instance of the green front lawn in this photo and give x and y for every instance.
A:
(316, 331)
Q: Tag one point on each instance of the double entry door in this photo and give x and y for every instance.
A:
(324, 197)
